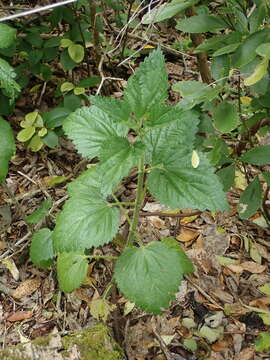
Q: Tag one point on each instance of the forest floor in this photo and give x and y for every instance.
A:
(219, 310)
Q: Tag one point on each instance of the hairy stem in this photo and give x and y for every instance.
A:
(138, 203)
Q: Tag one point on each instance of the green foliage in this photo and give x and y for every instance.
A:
(40, 213)
(71, 270)
(263, 342)
(7, 147)
(150, 275)
(225, 117)
(41, 250)
(7, 35)
(7, 83)
(167, 11)
(251, 199)
(164, 140)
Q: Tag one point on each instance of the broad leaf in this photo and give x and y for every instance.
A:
(71, 270)
(226, 49)
(171, 143)
(117, 110)
(7, 147)
(149, 276)
(186, 264)
(201, 23)
(167, 11)
(259, 72)
(259, 155)
(226, 117)
(181, 185)
(226, 176)
(26, 134)
(251, 199)
(218, 42)
(89, 128)
(162, 115)
(87, 220)
(41, 249)
(194, 92)
(7, 82)
(264, 50)
(117, 157)
(148, 86)
(40, 213)
(7, 35)
(246, 52)
(76, 52)
(263, 342)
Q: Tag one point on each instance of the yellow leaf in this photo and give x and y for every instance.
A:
(246, 100)
(258, 74)
(195, 160)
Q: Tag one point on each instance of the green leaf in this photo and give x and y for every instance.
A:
(7, 147)
(117, 157)
(264, 50)
(65, 43)
(259, 155)
(226, 49)
(186, 264)
(263, 342)
(71, 270)
(265, 289)
(148, 86)
(87, 220)
(55, 117)
(89, 128)
(218, 42)
(181, 185)
(220, 68)
(162, 115)
(226, 117)
(76, 52)
(259, 72)
(201, 23)
(170, 143)
(26, 134)
(166, 11)
(35, 143)
(250, 200)
(117, 110)
(66, 61)
(194, 92)
(50, 139)
(67, 86)
(149, 276)
(40, 213)
(41, 249)
(246, 52)
(226, 176)
(7, 36)
(7, 82)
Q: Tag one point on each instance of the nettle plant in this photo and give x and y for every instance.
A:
(140, 131)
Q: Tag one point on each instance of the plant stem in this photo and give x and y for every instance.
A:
(106, 257)
(197, 39)
(138, 203)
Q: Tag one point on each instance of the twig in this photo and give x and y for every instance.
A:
(208, 297)
(163, 214)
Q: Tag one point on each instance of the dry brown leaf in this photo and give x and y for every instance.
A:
(187, 235)
(220, 346)
(263, 300)
(157, 222)
(235, 268)
(253, 267)
(188, 219)
(19, 316)
(246, 354)
(250, 266)
(26, 288)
